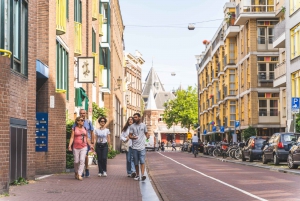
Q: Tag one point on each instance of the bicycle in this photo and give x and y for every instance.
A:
(195, 150)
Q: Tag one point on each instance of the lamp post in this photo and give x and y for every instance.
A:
(119, 83)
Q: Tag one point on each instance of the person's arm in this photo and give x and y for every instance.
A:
(146, 133)
(95, 138)
(131, 134)
(71, 140)
(123, 138)
(92, 137)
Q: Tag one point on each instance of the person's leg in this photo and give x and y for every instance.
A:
(87, 172)
(131, 160)
(82, 155)
(98, 159)
(142, 162)
(136, 161)
(128, 162)
(104, 159)
(101, 160)
(76, 161)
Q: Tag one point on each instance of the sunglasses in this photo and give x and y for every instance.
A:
(102, 121)
(80, 120)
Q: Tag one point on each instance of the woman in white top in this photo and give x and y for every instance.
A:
(130, 168)
(102, 143)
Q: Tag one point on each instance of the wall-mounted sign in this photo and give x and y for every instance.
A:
(41, 132)
(85, 69)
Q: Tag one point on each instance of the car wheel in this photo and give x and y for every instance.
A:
(243, 157)
(290, 162)
(275, 159)
(264, 160)
(250, 157)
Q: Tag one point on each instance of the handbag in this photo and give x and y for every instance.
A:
(125, 146)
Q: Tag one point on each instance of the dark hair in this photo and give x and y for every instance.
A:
(137, 114)
(77, 119)
(127, 124)
(99, 120)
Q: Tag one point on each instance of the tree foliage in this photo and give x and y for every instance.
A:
(183, 109)
(98, 112)
(248, 132)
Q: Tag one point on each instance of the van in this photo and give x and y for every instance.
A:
(151, 143)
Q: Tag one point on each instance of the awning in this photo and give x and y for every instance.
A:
(80, 96)
(42, 70)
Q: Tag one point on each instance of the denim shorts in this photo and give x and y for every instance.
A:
(138, 156)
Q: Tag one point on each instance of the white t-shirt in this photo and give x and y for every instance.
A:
(138, 130)
(195, 138)
(102, 135)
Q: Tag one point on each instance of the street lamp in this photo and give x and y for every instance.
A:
(119, 83)
(191, 26)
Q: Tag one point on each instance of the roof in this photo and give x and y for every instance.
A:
(162, 97)
(173, 129)
(151, 105)
(152, 82)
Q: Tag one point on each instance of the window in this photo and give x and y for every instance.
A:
(77, 11)
(294, 5)
(93, 41)
(265, 35)
(20, 36)
(268, 106)
(296, 84)
(62, 69)
(266, 71)
(295, 41)
(232, 82)
(104, 55)
(4, 26)
(232, 113)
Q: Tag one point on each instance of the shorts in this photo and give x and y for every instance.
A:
(138, 156)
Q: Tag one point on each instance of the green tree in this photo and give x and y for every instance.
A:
(183, 109)
(298, 123)
(98, 112)
(248, 132)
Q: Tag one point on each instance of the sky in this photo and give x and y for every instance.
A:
(158, 30)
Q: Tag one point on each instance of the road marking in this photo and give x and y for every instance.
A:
(217, 180)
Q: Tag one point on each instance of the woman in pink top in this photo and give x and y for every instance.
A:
(79, 141)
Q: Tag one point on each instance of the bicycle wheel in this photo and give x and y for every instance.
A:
(232, 153)
(216, 153)
(238, 154)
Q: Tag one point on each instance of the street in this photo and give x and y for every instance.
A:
(180, 176)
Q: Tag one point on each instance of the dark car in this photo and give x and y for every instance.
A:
(252, 149)
(209, 148)
(277, 148)
(294, 155)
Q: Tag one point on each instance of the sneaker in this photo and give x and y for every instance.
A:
(82, 175)
(104, 174)
(99, 175)
(128, 175)
(137, 178)
(143, 178)
(133, 175)
(87, 173)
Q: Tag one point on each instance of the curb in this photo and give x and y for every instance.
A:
(255, 165)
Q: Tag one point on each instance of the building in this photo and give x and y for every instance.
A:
(154, 96)
(111, 48)
(236, 73)
(42, 85)
(133, 85)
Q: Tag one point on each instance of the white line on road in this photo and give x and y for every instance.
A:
(217, 180)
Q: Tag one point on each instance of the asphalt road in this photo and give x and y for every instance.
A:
(180, 176)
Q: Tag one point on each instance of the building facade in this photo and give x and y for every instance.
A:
(236, 73)
(133, 83)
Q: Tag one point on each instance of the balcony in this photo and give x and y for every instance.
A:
(94, 10)
(230, 29)
(100, 76)
(268, 117)
(265, 77)
(100, 25)
(245, 11)
(78, 39)
(61, 17)
(280, 75)
(279, 35)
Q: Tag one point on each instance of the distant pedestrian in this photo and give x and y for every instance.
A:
(102, 145)
(173, 145)
(90, 134)
(130, 167)
(162, 146)
(138, 133)
(80, 141)
(195, 143)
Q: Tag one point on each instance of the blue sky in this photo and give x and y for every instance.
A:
(172, 49)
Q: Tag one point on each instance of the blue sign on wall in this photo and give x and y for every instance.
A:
(205, 131)
(222, 129)
(214, 129)
(41, 132)
(237, 124)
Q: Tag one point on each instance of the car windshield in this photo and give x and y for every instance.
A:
(289, 138)
(259, 143)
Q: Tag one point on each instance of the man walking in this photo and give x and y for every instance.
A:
(138, 133)
(90, 130)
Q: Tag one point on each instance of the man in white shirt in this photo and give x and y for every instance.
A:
(195, 140)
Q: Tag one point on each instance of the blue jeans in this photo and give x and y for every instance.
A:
(194, 144)
(139, 156)
(129, 161)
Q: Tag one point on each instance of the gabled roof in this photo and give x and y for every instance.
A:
(162, 97)
(152, 82)
(151, 105)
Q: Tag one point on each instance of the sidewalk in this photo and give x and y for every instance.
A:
(116, 187)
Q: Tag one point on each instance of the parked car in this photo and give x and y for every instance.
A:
(294, 155)
(277, 148)
(252, 149)
(208, 148)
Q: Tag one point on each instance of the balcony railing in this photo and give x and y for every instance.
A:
(100, 76)
(94, 10)
(266, 77)
(254, 9)
(279, 29)
(280, 70)
(61, 17)
(100, 24)
(5, 53)
(78, 39)
(95, 55)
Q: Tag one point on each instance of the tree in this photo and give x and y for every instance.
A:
(297, 123)
(98, 112)
(248, 132)
(183, 109)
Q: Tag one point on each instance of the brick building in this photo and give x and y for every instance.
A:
(236, 73)
(39, 83)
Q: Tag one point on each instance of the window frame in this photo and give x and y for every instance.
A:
(62, 68)
(295, 40)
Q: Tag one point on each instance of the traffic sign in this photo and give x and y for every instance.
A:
(295, 111)
(295, 103)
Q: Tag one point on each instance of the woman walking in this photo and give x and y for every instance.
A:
(129, 158)
(102, 136)
(79, 141)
